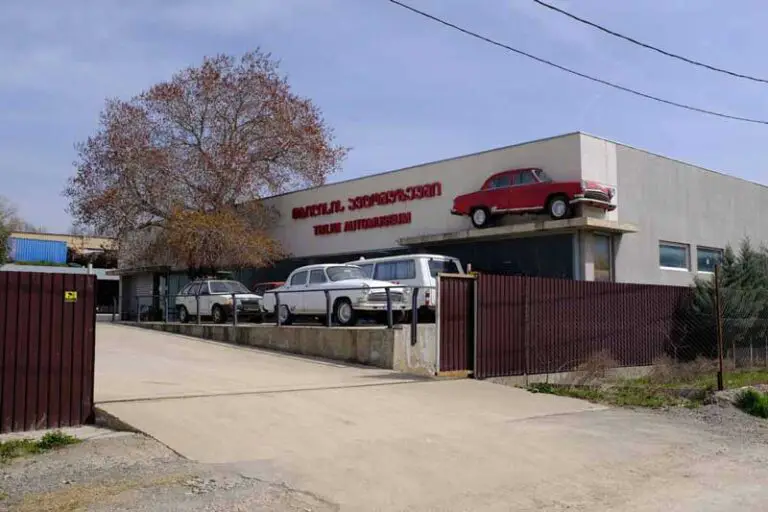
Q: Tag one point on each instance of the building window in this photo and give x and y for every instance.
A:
(708, 258)
(603, 257)
(673, 256)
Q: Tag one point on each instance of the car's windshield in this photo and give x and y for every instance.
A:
(443, 266)
(228, 287)
(543, 177)
(344, 273)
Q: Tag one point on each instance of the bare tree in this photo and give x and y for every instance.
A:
(11, 221)
(177, 172)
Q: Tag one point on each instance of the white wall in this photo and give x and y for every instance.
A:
(598, 163)
(559, 157)
(677, 202)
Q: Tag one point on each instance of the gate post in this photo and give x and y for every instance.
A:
(472, 352)
(439, 294)
(527, 328)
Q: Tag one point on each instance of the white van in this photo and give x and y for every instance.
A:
(412, 270)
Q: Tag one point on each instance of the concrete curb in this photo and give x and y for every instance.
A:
(112, 422)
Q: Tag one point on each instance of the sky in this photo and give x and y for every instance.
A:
(397, 89)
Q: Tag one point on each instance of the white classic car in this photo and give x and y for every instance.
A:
(352, 295)
(215, 299)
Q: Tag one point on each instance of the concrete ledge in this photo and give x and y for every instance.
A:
(565, 378)
(524, 229)
(371, 346)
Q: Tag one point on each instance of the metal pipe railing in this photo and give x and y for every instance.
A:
(389, 310)
(165, 307)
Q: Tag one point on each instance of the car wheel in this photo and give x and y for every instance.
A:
(218, 314)
(558, 207)
(183, 314)
(284, 314)
(481, 217)
(344, 312)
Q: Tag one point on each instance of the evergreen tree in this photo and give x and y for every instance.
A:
(744, 302)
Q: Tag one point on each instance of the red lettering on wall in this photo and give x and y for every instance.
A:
(400, 195)
(383, 221)
(315, 210)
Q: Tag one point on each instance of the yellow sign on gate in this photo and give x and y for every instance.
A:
(70, 296)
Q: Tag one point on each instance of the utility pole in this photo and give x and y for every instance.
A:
(719, 327)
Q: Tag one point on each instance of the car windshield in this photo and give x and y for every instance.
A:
(228, 287)
(344, 273)
(543, 177)
(443, 266)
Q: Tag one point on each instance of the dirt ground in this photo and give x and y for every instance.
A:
(136, 473)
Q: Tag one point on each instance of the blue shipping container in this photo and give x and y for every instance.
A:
(28, 250)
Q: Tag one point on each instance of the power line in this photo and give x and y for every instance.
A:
(578, 73)
(651, 47)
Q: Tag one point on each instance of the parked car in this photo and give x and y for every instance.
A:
(262, 288)
(303, 294)
(216, 301)
(530, 191)
(417, 270)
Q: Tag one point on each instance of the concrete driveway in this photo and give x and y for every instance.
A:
(369, 439)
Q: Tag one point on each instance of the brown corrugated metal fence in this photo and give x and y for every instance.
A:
(456, 318)
(47, 350)
(529, 325)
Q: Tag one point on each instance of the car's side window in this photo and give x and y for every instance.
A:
(317, 276)
(193, 288)
(204, 288)
(299, 278)
(395, 270)
(367, 270)
(500, 182)
(525, 178)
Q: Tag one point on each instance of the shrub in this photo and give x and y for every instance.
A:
(753, 402)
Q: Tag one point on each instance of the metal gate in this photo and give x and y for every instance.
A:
(456, 322)
(47, 339)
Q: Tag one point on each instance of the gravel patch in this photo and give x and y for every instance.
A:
(134, 472)
(724, 419)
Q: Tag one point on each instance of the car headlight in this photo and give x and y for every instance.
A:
(227, 300)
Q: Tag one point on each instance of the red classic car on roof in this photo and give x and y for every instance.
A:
(530, 191)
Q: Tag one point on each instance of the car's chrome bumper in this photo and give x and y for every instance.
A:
(378, 306)
(604, 205)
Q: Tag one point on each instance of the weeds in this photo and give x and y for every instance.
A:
(20, 447)
(56, 439)
(621, 395)
(753, 402)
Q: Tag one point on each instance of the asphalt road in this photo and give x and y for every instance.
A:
(370, 439)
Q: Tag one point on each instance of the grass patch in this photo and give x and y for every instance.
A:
(622, 395)
(700, 374)
(669, 383)
(21, 447)
(83, 496)
(753, 402)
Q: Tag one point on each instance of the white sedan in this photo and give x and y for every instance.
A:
(351, 295)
